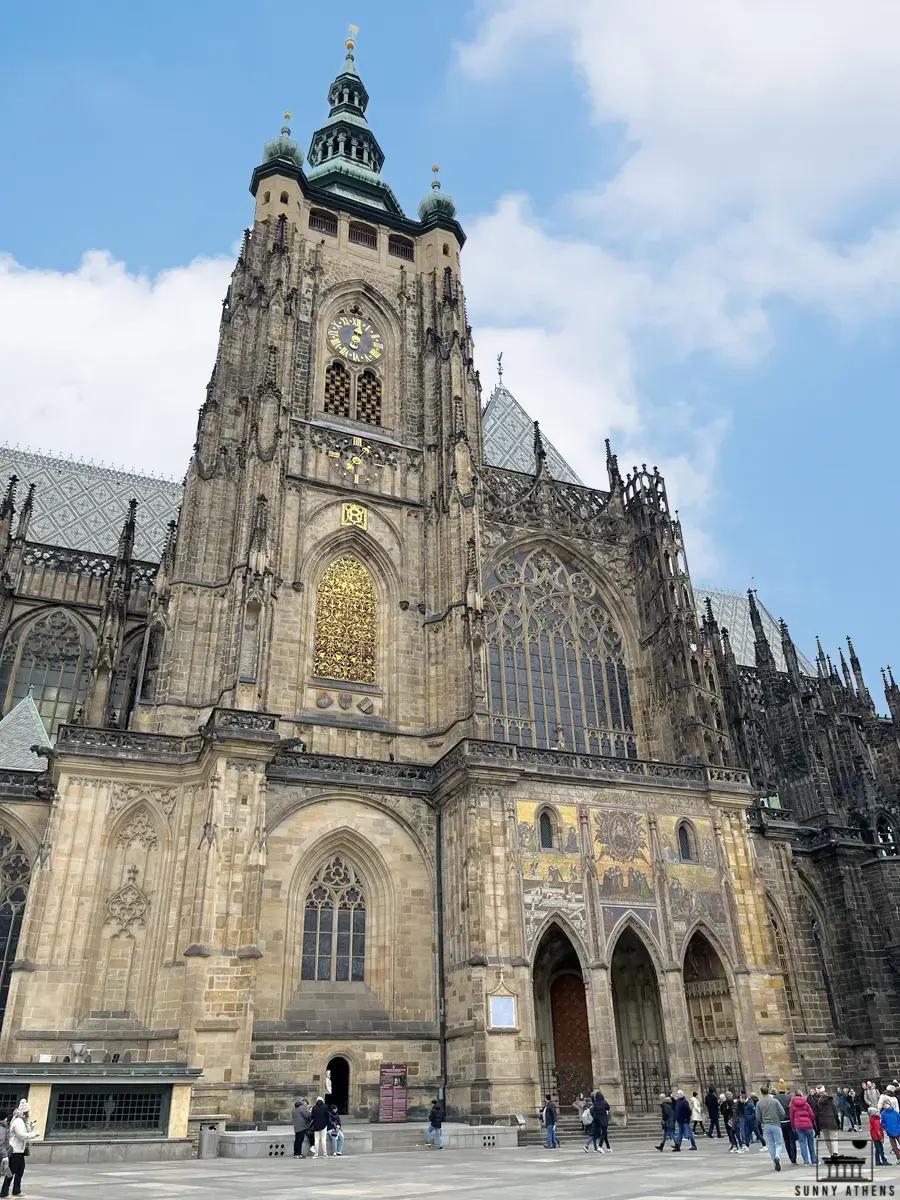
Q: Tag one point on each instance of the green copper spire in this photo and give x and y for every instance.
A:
(344, 156)
(436, 203)
(283, 147)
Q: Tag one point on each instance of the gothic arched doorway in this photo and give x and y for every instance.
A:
(640, 1036)
(717, 1056)
(337, 1073)
(560, 1008)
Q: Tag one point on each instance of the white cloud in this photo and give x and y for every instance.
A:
(105, 365)
(762, 162)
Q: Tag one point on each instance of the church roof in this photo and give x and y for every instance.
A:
(509, 438)
(81, 506)
(732, 612)
(20, 729)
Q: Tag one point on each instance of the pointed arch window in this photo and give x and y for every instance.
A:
(887, 841)
(784, 965)
(334, 925)
(687, 842)
(15, 873)
(557, 673)
(49, 657)
(346, 623)
(368, 398)
(337, 390)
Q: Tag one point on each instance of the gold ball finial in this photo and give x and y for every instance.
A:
(351, 40)
(287, 116)
(435, 168)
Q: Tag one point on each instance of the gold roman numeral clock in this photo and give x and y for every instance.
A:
(355, 339)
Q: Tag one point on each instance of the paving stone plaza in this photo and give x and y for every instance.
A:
(634, 1173)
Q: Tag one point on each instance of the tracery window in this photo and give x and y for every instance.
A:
(784, 966)
(557, 674)
(346, 615)
(51, 658)
(337, 390)
(545, 825)
(15, 872)
(887, 842)
(334, 925)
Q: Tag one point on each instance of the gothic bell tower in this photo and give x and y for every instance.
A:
(326, 561)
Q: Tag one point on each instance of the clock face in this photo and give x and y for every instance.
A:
(355, 339)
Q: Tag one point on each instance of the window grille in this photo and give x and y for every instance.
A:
(546, 827)
(15, 873)
(368, 398)
(687, 842)
(400, 247)
(9, 1099)
(337, 390)
(557, 674)
(323, 222)
(886, 841)
(334, 926)
(784, 966)
(346, 614)
(363, 235)
(110, 1110)
(51, 658)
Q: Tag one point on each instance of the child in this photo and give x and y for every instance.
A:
(876, 1133)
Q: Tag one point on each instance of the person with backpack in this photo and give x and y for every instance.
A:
(890, 1123)
(587, 1121)
(435, 1120)
(548, 1117)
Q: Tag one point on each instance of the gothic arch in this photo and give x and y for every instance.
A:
(701, 926)
(561, 921)
(560, 670)
(59, 667)
(393, 549)
(782, 934)
(643, 934)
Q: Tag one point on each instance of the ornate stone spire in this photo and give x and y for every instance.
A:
(344, 156)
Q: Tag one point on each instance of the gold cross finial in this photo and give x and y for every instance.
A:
(351, 40)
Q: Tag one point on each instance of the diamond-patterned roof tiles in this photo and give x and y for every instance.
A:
(83, 507)
(21, 729)
(732, 612)
(509, 438)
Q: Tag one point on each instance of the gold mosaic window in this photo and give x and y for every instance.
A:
(368, 398)
(346, 614)
(557, 675)
(337, 390)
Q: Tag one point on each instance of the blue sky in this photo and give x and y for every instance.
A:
(683, 232)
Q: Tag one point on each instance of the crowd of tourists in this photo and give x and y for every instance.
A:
(315, 1127)
(779, 1120)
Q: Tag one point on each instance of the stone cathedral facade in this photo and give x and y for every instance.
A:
(378, 753)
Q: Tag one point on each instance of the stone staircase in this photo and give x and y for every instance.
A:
(631, 1128)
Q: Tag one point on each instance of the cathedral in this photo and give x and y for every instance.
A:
(384, 745)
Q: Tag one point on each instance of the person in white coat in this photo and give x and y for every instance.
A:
(21, 1132)
(696, 1112)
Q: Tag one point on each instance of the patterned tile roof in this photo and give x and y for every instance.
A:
(83, 507)
(732, 612)
(509, 438)
(21, 729)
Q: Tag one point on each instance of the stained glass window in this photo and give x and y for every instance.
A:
(49, 658)
(556, 665)
(334, 925)
(346, 610)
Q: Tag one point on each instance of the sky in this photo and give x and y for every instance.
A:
(683, 222)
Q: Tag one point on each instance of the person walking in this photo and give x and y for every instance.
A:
(301, 1117)
(21, 1134)
(842, 1108)
(683, 1122)
(803, 1124)
(667, 1115)
(787, 1131)
(696, 1112)
(586, 1116)
(336, 1133)
(712, 1109)
(727, 1110)
(828, 1120)
(770, 1114)
(435, 1121)
(890, 1123)
(751, 1121)
(319, 1120)
(889, 1094)
(600, 1127)
(549, 1118)
(856, 1109)
(870, 1094)
(876, 1133)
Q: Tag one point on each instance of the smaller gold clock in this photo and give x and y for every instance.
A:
(355, 339)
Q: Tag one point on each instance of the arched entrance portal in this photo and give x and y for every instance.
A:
(338, 1073)
(563, 1034)
(717, 1055)
(639, 1027)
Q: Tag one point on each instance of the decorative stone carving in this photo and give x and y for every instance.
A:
(123, 794)
(139, 829)
(324, 700)
(128, 906)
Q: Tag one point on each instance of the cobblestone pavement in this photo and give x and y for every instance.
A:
(525, 1174)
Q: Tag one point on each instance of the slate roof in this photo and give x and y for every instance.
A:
(509, 438)
(83, 507)
(21, 729)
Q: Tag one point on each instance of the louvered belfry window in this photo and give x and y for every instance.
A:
(337, 390)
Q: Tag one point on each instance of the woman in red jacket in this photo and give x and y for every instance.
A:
(803, 1123)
